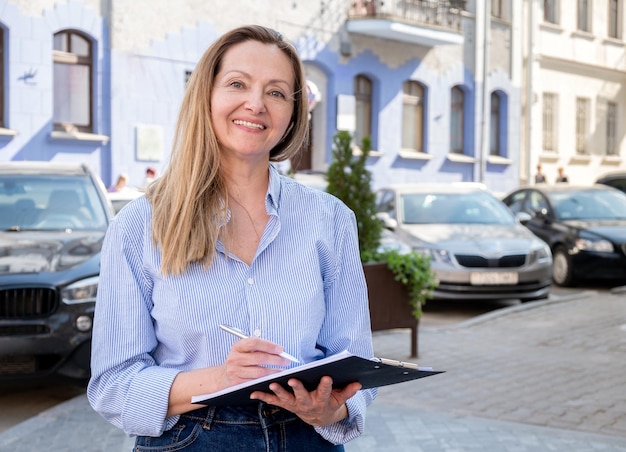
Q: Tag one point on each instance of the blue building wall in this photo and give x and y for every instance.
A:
(145, 87)
(28, 85)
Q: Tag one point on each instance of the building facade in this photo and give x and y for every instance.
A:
(438, 86)
(575, 85)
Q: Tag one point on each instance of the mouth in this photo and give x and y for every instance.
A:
(250, 125)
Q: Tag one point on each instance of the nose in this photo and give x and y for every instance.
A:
(255, 102)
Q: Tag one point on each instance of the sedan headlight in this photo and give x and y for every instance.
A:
(440, 256)
(83, 291)
(601, 246)
(540, 255)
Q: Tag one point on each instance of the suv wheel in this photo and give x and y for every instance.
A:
(562, 273)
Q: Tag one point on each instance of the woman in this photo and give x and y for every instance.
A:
(222, 238)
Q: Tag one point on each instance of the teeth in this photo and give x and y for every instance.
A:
(249, 124)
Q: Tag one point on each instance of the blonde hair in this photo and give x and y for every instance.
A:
(190, 199)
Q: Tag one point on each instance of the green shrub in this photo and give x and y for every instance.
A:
(350, 180)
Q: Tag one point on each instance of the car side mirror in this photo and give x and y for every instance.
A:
(387, 221)
(523, 217)
(542, 214)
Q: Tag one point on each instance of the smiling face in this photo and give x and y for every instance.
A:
(252, 100)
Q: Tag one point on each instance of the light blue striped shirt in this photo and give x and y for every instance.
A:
(304, 290)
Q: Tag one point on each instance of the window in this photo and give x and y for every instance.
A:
(363, 96)
(582, 115)
(549, 120)
(2, 123)
(413, 116)
(495, 126)
(611, 129)
(614, 19)
(496, 8)
(457, 120)
(549, 11)
(583, 15)
(73, 69)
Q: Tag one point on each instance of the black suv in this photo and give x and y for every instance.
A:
(53, 218)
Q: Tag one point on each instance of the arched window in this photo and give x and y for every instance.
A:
(413, 116)
(2, 123)
(457, 120)
(495, 121)
(73, 68)
(363, 96)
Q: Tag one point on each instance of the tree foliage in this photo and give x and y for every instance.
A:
(350, 180)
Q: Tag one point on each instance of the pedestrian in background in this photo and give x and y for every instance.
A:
(540, 178)
(222, 238)
(120, 184)
(561, 177)
(150, 176)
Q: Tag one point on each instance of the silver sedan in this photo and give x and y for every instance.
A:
(479, 248)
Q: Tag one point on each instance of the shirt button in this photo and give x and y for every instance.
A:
(250, 281)
(257, 332)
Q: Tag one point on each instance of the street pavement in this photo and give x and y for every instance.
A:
(542, 376)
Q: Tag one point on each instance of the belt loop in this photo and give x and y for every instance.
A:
(266, 410)
(208, 420)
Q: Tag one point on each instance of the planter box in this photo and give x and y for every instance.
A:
(389, 303)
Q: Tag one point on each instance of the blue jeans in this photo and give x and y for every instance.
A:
(248, 428)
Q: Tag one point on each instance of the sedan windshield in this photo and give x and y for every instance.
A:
(50, 202)
(589, 205)
(454, 208)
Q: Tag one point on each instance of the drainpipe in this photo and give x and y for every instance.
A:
(530, 57)
(484, 134)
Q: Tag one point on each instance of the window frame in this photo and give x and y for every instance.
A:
(497, 9)
(68, 57)
(614, 29)
(549, 121)
(363, 94)
(414, 96)
(497, 124)
(2, 68)
(582, 124)
(611, 128)
(457, 119)
(550, 11)
(583, 16)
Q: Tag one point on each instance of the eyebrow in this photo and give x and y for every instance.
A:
(245, 74)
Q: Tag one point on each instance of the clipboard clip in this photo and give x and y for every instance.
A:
(396, 363)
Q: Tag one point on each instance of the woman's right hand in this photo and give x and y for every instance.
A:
(248, 359)
(252, 358)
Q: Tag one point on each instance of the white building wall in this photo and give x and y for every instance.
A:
(572, 63)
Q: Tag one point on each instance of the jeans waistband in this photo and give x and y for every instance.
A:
(254, 412)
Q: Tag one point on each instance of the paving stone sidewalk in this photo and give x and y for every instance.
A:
(546, 376)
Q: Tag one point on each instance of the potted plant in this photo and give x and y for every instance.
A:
(399, 283)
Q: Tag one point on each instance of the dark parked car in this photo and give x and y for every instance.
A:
(53, 218)
(479, 250)
(584, 226)
(616, 180)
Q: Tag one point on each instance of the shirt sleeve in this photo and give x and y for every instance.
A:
(127, 387)
(347, 324)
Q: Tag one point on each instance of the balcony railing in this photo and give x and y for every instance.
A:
(432, 13)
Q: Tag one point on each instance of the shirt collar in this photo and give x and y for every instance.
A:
(273, 189)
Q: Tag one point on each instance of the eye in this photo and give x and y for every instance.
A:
(236, 84)
(278, 94)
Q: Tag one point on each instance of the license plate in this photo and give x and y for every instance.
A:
(493, 278)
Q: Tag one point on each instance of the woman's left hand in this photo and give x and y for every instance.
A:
(322, 406)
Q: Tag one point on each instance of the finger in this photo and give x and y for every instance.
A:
(325, 387)
(255, 344)
(342, 395)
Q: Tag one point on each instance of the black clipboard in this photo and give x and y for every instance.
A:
(344, 368)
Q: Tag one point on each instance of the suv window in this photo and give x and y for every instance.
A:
(44, 202)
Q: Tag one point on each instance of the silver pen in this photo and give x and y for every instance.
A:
(240, 334)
